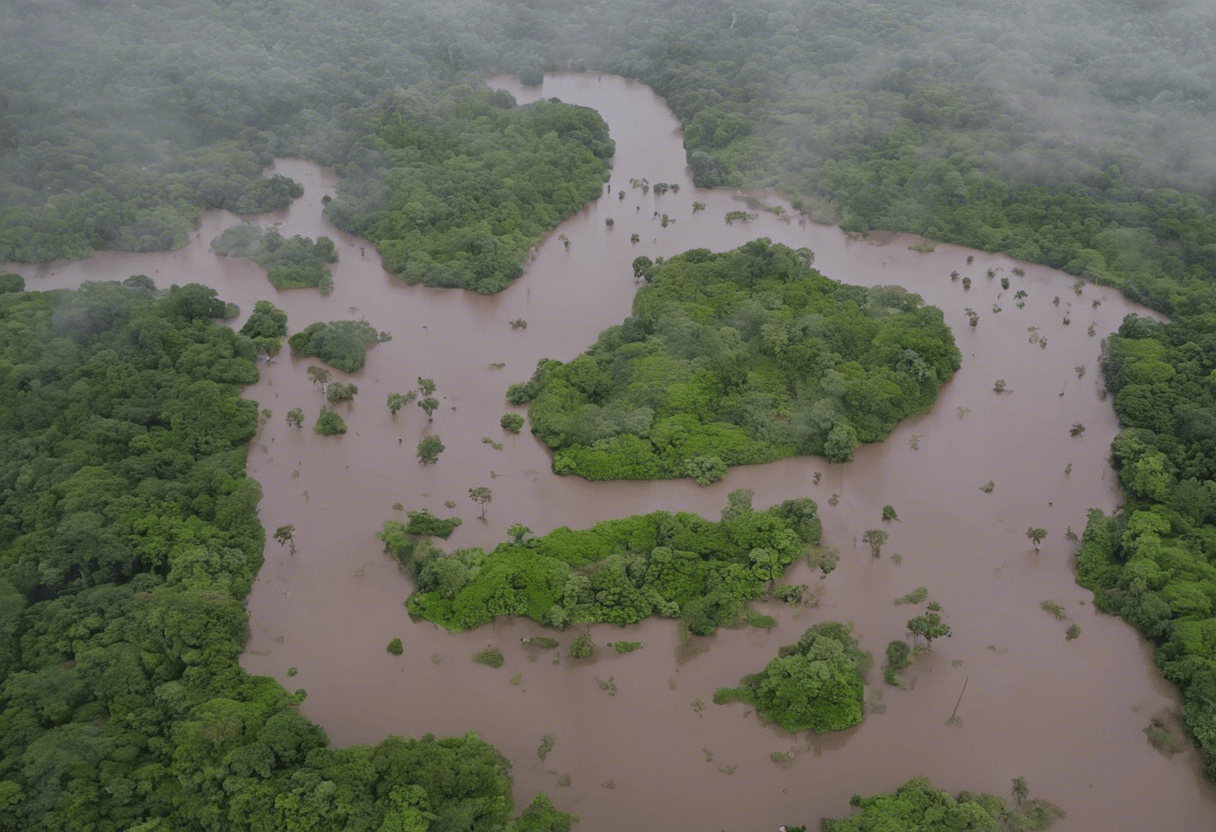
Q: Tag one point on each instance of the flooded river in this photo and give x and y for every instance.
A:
(635, 746)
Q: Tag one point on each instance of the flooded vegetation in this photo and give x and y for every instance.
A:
(969, 478)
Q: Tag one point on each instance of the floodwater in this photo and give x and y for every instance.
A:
(638, 747)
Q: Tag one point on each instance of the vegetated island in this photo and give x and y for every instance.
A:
(129, 539)
(290, 264)
(918, 805)
(340, 344)
(459, 190)
(739, 358)
(619, 571)
(815, 684)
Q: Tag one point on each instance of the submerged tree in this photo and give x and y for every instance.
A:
(481, 495)
(876, 538)
(429, 449)
(295, 417)
(283, 534)
(396, 401)
(1036, 536)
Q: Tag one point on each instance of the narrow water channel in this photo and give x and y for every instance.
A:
(1068, 715)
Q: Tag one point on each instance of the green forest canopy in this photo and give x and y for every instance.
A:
(290, 264)
(129, 539)
(618, 571)
(917, 805)
(815, 684)
(340, 344)
(741, 357)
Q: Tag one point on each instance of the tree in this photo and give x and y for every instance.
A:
(318, 375)
(512, 422)
(329, 423)
(642, 267)
(1020, 790)
(430, 405)
(876, 538)
(1077, 429)
(426, 385)
(928, 626)
(481, 495)
(518, 532)
(1036, 536)
(888, 513)
(396, 401)
(295, 417)
(429, 449)
(339, 392)
(283, 534)
(999, 386)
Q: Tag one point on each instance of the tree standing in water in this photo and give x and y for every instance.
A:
(1036, 536)
(481, 495)
(283, 534)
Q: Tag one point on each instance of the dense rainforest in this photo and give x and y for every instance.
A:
(736, 358)
(1077, 134)
(619, 571)
(129, 539)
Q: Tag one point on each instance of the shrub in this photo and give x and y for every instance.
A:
(582, 647)
(395, 647)
(626, 646)
(491, 657)
(512, 422)
(329, 423)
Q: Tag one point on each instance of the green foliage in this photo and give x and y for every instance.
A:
(429, 449)
(337, 392)
(424, 524)
(815, 684)
(395, 647)
(899, 656)
(512, 422)
(618, 571)
(129, 540)
(340, 344)
(1036, 535)
(888, 513)
(329, 423)
(470, 225)
(918, 805)
(396, 401)
(626, 646)
(916, 596)
(929, 626)
(295, 417)
(267, 326)
(1055, 609)
(492, 657)
(1073, 632)
(582, 647)
(290, 264)
(11, 282)
(739, 358)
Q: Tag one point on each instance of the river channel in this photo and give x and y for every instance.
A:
(638, 750)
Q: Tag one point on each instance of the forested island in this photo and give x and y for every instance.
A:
(128, 533)
(620, 571)
(739, 358)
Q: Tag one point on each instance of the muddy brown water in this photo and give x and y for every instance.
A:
(639, 753)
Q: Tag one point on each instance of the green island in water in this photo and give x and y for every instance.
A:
(739, 358)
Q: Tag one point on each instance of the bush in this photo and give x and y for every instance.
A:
(512, 422)
(898, 657)
(582, 647)
(916, 596)
(395, 647)
(329, 423)
(490, 657)
(626, 646)
(424, 524)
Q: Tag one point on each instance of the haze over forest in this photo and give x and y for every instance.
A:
(1079, 134)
